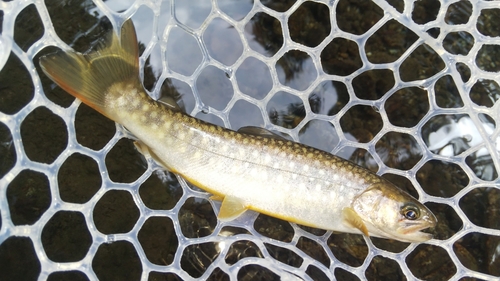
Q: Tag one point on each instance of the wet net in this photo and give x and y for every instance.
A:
(408, 89)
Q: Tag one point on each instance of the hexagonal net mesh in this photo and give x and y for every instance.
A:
(408, 89)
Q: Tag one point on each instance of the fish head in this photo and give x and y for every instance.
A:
(389, 212)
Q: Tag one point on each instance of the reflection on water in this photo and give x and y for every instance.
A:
(485, 92)
(264, 34)
(222, 41)
(328, 98)
(254, 78)
(296, 70)
(450, 135)
(398, 150)
(359, 156)
(482, 165)
(361, 123)
(243, 114)
(319, 134)
(183, 52)
(192, 15)
(285, 110)
(214, 88)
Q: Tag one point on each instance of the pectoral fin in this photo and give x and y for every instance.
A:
(231, 208)
(352, 219)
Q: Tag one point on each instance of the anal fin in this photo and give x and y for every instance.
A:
(352, 219)
(231, 208)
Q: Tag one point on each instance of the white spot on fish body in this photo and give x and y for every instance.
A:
(267, 158)
(134, 116)
(145, 107)
(305, 168)
(291, 165)
(183, 149)
(294, 176)
(255, 153)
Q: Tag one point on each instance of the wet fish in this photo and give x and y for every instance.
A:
(251, 169)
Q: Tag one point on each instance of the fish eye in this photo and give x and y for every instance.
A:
(410, 212)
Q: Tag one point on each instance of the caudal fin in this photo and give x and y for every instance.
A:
(88, 76)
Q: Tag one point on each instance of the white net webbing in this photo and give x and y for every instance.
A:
(408, 89)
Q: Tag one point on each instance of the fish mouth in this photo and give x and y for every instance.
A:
(412, 231)
(415, 236)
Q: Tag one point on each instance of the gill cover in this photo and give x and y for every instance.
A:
(391, 213)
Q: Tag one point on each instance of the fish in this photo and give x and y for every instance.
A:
(249, 169)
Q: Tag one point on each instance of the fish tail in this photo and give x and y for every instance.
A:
(89, 76)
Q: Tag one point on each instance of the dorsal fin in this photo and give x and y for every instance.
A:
(170, 103)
